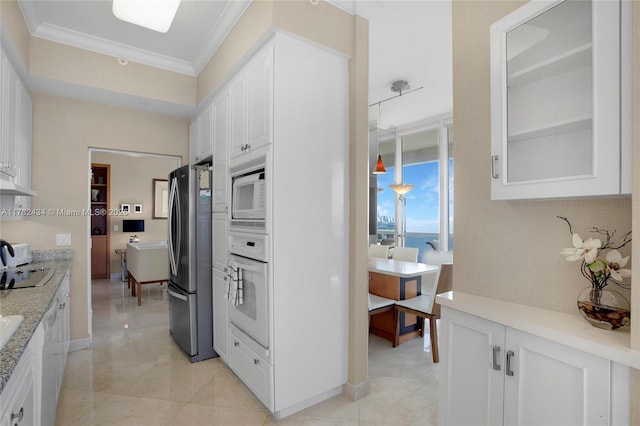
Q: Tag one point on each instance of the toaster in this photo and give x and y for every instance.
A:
(22, 255)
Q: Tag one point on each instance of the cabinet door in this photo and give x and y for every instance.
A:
(553, 383)
(204, 144)
(555, 101)
(221, 180)
(10, 83)
(471, 380)
(220, 315)
(18, 401)
(260, 82)
(253, 370)
(219, 240)
(195, 129)
(239, 115)
(99, 256)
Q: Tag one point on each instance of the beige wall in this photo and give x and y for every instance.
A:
(12, 18)
(131, 183)
(63, 131)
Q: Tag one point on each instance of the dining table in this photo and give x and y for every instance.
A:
(399, 280)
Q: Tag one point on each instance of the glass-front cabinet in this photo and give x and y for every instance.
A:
(560, 100)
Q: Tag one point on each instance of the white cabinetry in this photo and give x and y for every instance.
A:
(298, 368)
(201, 136)
(493, 375)
(15, 139)
(560, 123)
(220, 315)
(19, 401)
(54, 353)
(221, 181)
(251, 93)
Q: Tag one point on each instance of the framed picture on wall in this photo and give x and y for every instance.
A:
(137, 208)
(125, 208)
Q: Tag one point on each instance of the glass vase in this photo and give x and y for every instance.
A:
(604, 308)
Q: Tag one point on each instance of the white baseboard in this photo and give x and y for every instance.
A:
(356, 392)
(80, 344)
(308, 403)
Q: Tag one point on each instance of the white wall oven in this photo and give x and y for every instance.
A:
(247, 285)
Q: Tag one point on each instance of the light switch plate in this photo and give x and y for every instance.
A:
(115, 228)
(63, 240)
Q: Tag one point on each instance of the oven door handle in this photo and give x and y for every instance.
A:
(260, 268)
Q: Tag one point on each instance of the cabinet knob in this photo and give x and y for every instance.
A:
(236, 343)
(256, 361)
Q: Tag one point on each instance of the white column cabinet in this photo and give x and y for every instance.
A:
(560, 113)
(494, 375)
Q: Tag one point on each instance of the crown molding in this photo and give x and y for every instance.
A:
(219, 31)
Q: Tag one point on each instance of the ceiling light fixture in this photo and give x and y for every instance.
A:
(379, 170)
(156, 15)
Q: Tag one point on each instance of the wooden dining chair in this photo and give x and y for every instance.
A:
(424, 307)
(378, 305)
(409, 254)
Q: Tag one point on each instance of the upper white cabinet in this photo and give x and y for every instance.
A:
(492, 374)
(201, 136)
(221, 181)
(251, 111)
(560, 113)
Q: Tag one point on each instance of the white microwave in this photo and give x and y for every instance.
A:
(248, 196)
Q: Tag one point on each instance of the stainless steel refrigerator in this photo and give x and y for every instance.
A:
(190, 249)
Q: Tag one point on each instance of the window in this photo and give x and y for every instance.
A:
(426, 212)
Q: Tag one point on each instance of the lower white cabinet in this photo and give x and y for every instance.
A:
(492, 374)
(251, 366)
(19, 399)
(220, 315)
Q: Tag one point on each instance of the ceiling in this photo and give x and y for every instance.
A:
(409, 40)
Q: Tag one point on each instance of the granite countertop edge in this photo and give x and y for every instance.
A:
(31, 303)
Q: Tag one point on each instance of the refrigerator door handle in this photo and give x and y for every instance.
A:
(172, 208)
(176, 295)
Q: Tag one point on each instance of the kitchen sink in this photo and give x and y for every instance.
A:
(8, 325)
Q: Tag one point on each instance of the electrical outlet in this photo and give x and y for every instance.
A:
(63, 240)
(115, 228)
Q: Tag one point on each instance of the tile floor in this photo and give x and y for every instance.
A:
(134, 374)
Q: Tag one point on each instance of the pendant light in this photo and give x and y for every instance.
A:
(379, 170)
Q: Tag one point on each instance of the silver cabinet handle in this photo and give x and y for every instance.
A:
(496, 354)
(256, 361)
(494, 173)
(510, 355)
(18, 415)
(236, 343)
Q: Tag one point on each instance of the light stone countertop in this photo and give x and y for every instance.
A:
(570, 330)
(31, 303)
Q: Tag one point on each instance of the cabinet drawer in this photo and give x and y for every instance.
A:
(254, 371)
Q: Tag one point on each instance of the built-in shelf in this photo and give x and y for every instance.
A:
(568, 61)
(554, 128)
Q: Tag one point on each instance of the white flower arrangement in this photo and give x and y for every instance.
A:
(593, 267)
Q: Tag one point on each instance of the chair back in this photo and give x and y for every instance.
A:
(409, 254)
(445, 283)
(376, 250)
